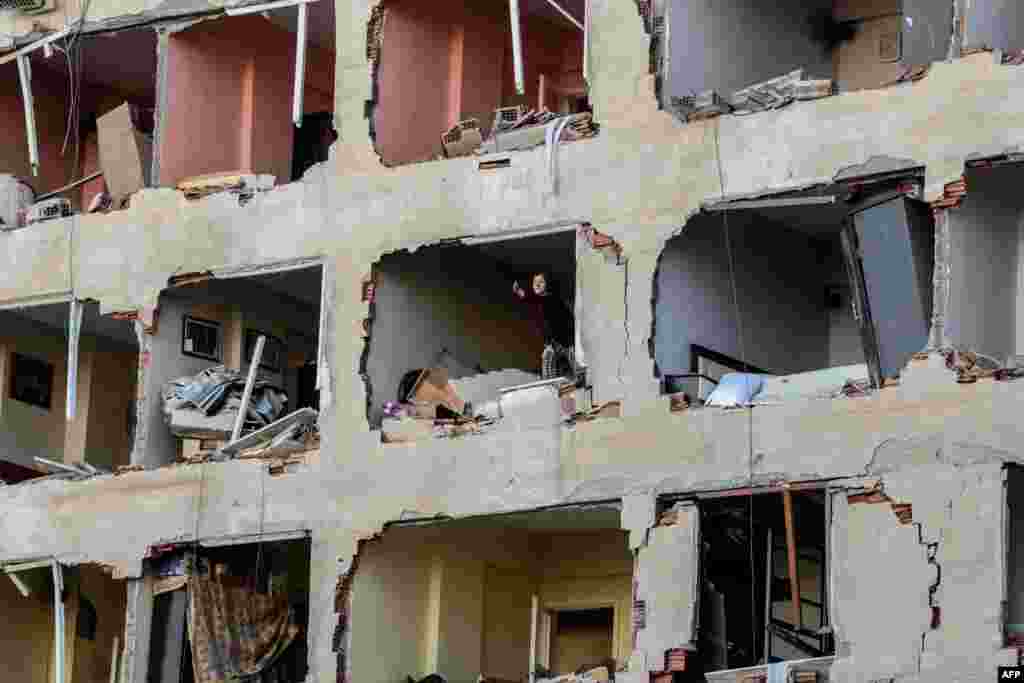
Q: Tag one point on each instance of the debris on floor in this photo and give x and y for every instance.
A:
(205, 405)
(771, 94)
(970, 367)
(609, 409)
(243, 185)
(598, 675)
(429, 407)
(529, 128)
(462, 139)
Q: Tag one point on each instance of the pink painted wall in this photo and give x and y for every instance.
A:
(443, 61)
(229, 98)
(413, 94)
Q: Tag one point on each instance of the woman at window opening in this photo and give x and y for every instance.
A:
(553, 323)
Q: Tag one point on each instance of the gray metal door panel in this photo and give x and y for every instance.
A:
(927, 30)
(896, 251)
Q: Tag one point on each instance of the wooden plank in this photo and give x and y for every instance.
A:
(794, 579)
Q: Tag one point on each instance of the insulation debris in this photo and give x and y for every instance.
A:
(528, 130)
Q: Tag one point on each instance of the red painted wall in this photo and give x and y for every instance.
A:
(50, 97)
(229, 98)
(443, 61)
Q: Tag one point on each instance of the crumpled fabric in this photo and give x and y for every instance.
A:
(236, 633)
(735, 389)
(217, 388)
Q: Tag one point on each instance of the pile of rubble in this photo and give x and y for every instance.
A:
(205, 405)
(515, 128)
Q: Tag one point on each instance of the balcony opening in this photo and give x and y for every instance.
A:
(208, 331)
(454, 328)
(546, 592)
(34, 356)
(758, 554)
(985, 240)
(94, 102)
(815, 294)
(222, 612)
(234, 119)
(735, 57)
(92, 618)
(446, 83)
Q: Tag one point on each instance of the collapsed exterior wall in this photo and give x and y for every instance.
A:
(640, 181)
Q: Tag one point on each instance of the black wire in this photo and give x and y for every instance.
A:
(750, 409)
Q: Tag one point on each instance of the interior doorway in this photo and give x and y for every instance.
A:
(581, 638)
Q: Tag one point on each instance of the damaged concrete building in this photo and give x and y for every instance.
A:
(585, 340)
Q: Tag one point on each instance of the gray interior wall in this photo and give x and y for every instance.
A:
(726, 45)
(984, 236)
(844, 342)
(167, 362)
(781, 296)
(449, 298)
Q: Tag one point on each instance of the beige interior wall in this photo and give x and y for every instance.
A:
(111, 396)
(460, 599)
(856, 62)
(582, 645)
(93, 658)
(31, 431)
(592, 569)
(26, 635)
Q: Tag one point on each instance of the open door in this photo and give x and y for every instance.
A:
(889, 245)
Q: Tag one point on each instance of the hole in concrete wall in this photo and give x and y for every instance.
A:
(742, 59)
(985, 241)
(476, 313)
(204, 390)
(440, 64)
(260, 590)
(77, 90)
(747, 613)
(458, 597)
(247, 127)
(821, 292)
(34, 376)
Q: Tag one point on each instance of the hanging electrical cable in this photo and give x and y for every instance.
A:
(746, 368)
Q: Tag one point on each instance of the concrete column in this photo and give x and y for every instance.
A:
(137, 629)
(75, 432)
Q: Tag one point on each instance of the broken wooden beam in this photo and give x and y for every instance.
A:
(794, 579)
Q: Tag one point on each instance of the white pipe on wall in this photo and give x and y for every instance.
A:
(517, 45)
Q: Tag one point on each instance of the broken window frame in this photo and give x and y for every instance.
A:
(786, 490)
(875, 191)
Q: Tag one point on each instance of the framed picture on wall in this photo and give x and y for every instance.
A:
(31, 381)
(273, 350)
(201, 338)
